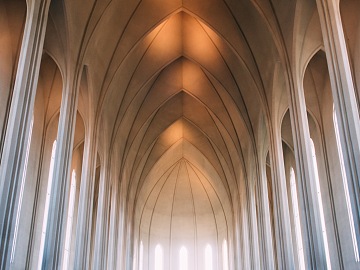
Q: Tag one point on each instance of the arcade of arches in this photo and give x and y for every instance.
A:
(179, 134)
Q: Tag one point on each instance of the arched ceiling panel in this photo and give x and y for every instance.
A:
(317, 85)
(183, 170)
(180, 35)
(183, 72)
(50, 86)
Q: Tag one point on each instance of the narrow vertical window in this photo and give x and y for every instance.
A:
(21, 191)
(183, 259)
(69, 221)
(208, 258)
(347, 195)
(159, 258)
(295, 207)
(47, 203)
(225, 255)
(141, 255)
(322, 219)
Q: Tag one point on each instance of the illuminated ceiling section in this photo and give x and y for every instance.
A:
(178, 89)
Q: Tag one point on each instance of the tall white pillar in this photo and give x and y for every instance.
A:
(121, 229)
(129, 243)
(102, 222)
(266, 242)
(86, 198)
(284, 247)
(112, 240)
(54, 240)
(256, 262)
(313, 242)
(13, 156)
(344, 99)
(238, 253)
(246, 263)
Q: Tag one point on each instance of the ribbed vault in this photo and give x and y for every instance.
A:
(128, 127)
(181, 73)
(180, 206)
(180, 103)
(181, 98)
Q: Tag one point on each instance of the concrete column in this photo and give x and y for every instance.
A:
(128, 241)
(238, 253)
(266, 243)
(107, 231)
(284, 248)
(86, 198)
(344, 99)
(112, 254)
(54, 242)
(313, 243)
(246, 263)
(13, 155)
(121, 232)
(256, 261)
(102, 222)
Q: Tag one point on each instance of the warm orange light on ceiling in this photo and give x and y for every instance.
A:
(173, 133)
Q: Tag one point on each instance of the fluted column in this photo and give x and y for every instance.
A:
(86, 198)
(265, 232)
(53, 250)
(13, 156)
(246, 263)
(344, 99)
(284, 247)
(112, 254)
(101, 222)
(238, 253)
(129, 244)
(256, 261)
(121, 230)
(313, 243)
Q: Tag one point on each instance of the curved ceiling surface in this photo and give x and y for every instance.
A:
(182, 208)
(174, 75)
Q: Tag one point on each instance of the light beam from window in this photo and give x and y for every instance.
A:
(295, 207)
(183, 259)
(225, 255)
(69, 221)
(208, 258)
(159, 258)
(322, 219)
(47, 204)
(141, 255)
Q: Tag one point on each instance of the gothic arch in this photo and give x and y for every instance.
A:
(12, 23)
(351, 26)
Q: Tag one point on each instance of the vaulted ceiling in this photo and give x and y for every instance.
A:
(169, 66)
(181, 85)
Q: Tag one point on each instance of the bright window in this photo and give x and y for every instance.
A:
(159, 258)
(183, 259)
(225, 255)
(208, 258)
(322, 219)
(47, 203)
(69, 221)
(21, 191)
(141, 255)
(295, 207)
(347, 196)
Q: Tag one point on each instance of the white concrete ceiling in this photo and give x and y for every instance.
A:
(183, 84)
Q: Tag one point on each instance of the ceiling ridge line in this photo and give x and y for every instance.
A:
(171, 213)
